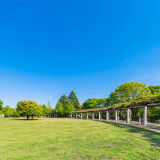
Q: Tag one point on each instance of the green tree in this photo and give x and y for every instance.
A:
(94, 103)
(126, 92)
(43, 109)
(63, 99)
(8, 111)
(154, 89)
(1, 104)
(16, 113)
(64, 106)
(145, 92)
(1, 112)
(113, 99)
(108, 102)
(28, 108)
(73, 98)
(49, 105)
(59, 108)
(68, 107)
(153, 114)
(48, 110)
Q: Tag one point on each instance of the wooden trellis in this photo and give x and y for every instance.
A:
(148, 102)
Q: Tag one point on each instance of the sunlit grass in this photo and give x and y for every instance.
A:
(73, 139)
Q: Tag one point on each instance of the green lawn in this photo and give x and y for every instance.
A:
(51, 139)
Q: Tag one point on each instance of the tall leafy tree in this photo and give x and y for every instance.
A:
(94, 103)
(49, 105)
(28, 108)
(145, 92)
(1, 112)
(127, 91)
(64, 106)
(154, 89)
(68, 107)
(73, 98)
(8, 111)
(113, 99)
(43, 109)
(59, 108)
(48, 110)
(63, 99)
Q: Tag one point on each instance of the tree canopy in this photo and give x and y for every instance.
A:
(73, 98)
(28, 108)
(59, 108)
(63, 99)
(43, 109)
(154, 89)
(94, 103)
(68, 107)
(127, 91)
(1, 104)
(8, 111)
(124, 93)
(65, 105)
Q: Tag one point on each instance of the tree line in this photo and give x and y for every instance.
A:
(30, 109)
(124, 93)
(27, 108)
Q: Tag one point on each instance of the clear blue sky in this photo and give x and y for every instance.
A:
(48, 48)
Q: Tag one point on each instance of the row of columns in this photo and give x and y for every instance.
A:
(116, 115)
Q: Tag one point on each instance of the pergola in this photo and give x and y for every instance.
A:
(153, 101)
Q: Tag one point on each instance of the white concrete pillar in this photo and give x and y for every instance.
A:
(128, 115)
(99, 115)
(87, 115)
(116, 115)
(81, 115)
(93, 115)
(145, 115)
(107, 115)
(76, 115)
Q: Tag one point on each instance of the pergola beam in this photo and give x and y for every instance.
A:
(154, 104)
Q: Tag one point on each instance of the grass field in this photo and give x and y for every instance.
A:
(51, 139)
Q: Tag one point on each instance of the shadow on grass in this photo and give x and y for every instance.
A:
(22, 119)
(151, 136)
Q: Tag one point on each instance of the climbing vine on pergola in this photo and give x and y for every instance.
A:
(143, 102)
